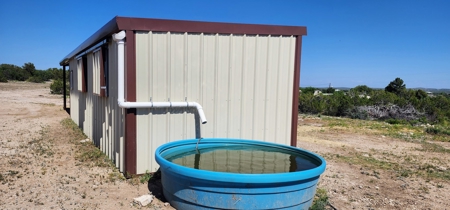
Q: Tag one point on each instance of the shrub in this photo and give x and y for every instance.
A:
(356, 113)
(56, 87)
(437, 130)
(3, 78)
(396, 121)
(35, 79)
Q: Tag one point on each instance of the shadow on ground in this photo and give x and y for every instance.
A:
(155, 186)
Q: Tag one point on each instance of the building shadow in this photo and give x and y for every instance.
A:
(155, 186)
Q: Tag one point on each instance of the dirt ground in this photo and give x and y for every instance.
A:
(38, 168)
(366, 170)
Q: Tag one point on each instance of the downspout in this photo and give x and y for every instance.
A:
(119, 38)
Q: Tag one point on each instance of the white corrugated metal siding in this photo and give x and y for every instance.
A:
(100, 118)
(243, 82)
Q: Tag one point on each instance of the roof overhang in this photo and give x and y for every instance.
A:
(145, 24)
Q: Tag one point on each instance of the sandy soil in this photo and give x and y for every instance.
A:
(368, 186)
(39, 170)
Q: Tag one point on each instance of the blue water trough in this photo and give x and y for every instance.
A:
(238, 174)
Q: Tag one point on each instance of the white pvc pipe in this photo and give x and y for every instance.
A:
(118, 37)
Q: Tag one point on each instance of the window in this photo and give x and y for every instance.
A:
(104, 72)
(100, 70)
(85, 74)
(96, 59)
(80, 75)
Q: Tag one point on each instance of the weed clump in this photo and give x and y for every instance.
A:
(320, 200)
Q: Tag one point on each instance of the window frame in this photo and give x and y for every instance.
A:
(104, 71)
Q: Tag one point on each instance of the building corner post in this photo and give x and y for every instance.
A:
(64, 88)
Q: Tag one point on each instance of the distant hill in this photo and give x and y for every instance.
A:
(433, 90)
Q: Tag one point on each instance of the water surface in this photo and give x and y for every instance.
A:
(245, 160)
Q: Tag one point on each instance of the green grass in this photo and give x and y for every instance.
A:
(406, 168)
(77, 133)
(320, 200)
(393, 128)
(368, 162)
(433, 147)
(146, 177)
(43, 144)
(87, 152)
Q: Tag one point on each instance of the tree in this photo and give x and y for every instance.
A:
(2, 77)
(55, 73)
(308, 90)
(29, 67)
(330, 90)
(420, 94)
(363, 89)
(396, 86)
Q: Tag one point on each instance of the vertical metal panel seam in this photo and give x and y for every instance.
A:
(150, 79)
(201, 68)
(277, 85)
(230, 59)
(216, 79)
(168, 78)
(242, 81)
(146, 121)
(185, 85)
(254, 87)
(266, 99)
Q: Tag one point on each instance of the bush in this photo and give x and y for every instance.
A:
(401, 106)
(3, 78)
(356, 113)
(56, 87)
(396, 121)
(437, 130)
(35, 79)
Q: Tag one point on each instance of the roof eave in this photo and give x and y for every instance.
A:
(105, 31)
(145, 24)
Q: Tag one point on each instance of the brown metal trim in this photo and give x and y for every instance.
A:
(130, 141)
(130, 119)
(144, 24)
(130, 63)
(294, 122)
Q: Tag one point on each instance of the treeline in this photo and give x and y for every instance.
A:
(28, 72)
(395, 104)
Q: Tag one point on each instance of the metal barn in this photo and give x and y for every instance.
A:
(138, 83)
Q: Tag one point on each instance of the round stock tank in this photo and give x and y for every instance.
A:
(237, 174)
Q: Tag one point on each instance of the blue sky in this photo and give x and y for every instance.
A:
(349, 43)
